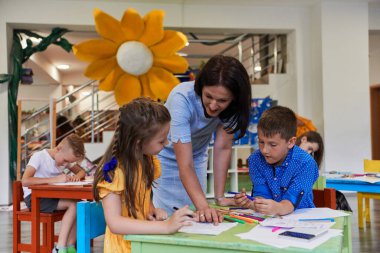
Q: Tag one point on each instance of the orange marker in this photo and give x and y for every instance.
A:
(244, 218)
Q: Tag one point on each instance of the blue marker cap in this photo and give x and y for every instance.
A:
(249, 197)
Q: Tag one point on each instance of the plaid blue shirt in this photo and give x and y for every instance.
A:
(293, 180)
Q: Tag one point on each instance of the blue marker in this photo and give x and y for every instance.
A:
(321, 219)
(249, 197)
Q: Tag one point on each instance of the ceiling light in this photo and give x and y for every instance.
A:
(182, 54)
(63, 66)
(187, 44)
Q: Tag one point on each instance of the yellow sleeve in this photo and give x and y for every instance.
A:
(116, 186)
(157, 167)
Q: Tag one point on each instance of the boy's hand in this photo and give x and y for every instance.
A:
(266, 206)
(157, 214)
(63, 178)
(242, 200)
(74, 178)
(179, 219)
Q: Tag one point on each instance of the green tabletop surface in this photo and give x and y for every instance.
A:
(229, 242)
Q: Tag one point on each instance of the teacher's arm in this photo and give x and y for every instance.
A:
(184, 155)
(222, 159)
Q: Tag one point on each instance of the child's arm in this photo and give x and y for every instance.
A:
(29, 179)
(271, 207)
(125, 225)
(79, 172)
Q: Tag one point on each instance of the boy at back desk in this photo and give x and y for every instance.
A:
(47, 166)
(282, 174)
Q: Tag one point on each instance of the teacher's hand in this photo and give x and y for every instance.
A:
(225, 202)
(209, 215)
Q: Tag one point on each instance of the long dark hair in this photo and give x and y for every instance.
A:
(231, 74)
(314, 137)
(139, 121)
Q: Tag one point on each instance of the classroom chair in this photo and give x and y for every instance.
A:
(47, 220)
(370, 166)
(90, 224)
(325, 198)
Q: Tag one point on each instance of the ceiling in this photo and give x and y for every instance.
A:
(43, 62)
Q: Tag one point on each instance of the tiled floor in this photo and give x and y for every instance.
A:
(365, 240)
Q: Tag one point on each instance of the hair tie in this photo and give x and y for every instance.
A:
(111, 165)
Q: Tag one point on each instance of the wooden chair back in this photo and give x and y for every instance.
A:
(325, 198)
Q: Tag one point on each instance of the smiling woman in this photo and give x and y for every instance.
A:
(135, 57)
(217, 102)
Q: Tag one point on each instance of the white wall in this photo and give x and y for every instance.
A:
(345, 85)
(5, 195)
(320, 60)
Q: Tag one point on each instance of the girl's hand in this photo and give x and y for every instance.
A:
(180, 218)
(157, 214)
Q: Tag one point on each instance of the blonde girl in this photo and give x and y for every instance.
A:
(127, 173)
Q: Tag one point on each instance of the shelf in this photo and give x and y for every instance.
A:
(236, 178)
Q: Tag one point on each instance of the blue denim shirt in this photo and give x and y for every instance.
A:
(293, 180)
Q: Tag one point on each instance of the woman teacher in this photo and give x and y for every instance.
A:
(218, 101)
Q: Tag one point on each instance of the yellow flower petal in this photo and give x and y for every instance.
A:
(154, 31)
(173, 63)
(109, 83)
(91, 50)
(170, 44)
(108, 27)
(161, 82)
(146, 91)
(127, 88)
(99, 69)
(132, 24)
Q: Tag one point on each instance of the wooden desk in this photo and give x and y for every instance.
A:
(53, 191)
(228, 242)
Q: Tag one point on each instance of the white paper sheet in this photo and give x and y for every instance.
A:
(266, 236)
(74, 183)
(288, 223)
(314, 213)
(207, 228)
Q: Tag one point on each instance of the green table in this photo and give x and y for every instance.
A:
(228, 242)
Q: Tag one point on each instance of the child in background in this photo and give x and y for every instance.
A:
(312, 143)
(47, 166)
(282, 174)
(127, 172)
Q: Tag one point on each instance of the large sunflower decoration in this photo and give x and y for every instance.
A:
(135, 57)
